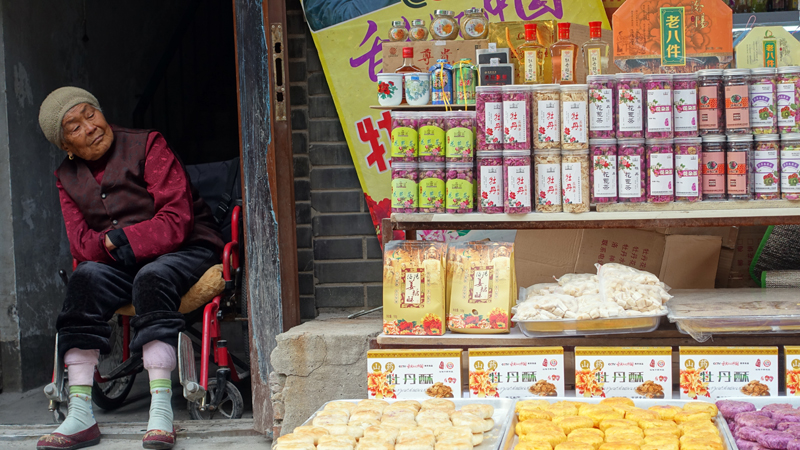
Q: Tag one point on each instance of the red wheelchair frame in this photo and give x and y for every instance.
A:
(211, 343)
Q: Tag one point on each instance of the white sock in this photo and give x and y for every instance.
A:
(80, 415)
(160, 360)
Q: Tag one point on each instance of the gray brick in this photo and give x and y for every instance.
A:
(374, 248)
(302, 167)
(350, 248)
(374, 296)
(298, 95)
(299, 121)
(305, 260)
(304, 237)
(293, 5)
(297, 46)
(321, 106)
(325, 130)
(299, 143)
(342, 225)
(306, 283)
(295, 24)
(348, 271)
(302, 190)
(330, 154)
(313, 61)
(339, 201)
(334, 178)
(308, 308)
(339, 296)
(317, 84)
(302, 213)
(297, 71)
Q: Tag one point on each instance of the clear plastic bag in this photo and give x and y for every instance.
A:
(636, 291)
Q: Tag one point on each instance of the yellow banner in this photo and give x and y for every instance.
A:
(349, 34)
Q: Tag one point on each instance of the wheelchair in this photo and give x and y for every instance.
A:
(208, 396)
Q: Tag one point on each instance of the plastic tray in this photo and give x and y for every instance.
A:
(573, 327)
(760, 402)
(719, 421)
(493, 439)
(702, 313)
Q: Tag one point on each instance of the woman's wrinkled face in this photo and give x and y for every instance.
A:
(87, 135)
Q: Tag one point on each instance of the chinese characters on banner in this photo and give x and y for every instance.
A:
(414, 374)
(633, 372)
(349, 39)
(718, 372)
(516, 372)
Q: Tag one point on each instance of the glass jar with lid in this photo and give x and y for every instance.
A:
(714, 167)
(739, 175)
(766, 167)
(444, 26)
(737, 95)
(474, 24)
(398, 31)
(763, 117)
(790, 166)
(711, 101)
(418, 32)
(788, 95)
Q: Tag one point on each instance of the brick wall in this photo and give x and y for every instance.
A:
(338, 254)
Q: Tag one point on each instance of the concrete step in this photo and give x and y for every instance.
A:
(193, 429)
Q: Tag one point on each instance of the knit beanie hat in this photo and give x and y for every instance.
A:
(55, 107)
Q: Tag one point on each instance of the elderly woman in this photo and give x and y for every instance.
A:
(142, 235)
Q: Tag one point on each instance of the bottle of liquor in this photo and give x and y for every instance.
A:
(408, 62)
(532, 57)
(563, 52)
(595, 52)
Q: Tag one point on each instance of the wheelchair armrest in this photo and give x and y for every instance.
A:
(235, 219)
(230, 262)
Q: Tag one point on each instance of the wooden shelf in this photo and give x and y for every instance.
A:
(423, 108)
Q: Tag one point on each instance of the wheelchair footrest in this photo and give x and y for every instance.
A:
(187, 372)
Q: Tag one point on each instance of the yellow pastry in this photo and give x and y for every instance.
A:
(572, 423)
(609, 423)
(551, 437)
(526, 414)
(574, 445)
(617, 401)
(701, 406)
(665, 412)
(530, 445)
(533, 425)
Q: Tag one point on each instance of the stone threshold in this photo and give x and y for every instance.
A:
(198, 429)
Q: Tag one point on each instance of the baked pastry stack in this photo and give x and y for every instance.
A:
(615, 424)
(433, 424)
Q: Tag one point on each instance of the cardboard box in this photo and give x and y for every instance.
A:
(792, 370)
(746, 245)
(718, 372)
(511, 34)
(724, 268)
(633, 372)
(516, 372)
(766, 47)
(703, 36)
(413, 374)
(544, 254)
(427, 52)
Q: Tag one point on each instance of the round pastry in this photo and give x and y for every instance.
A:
(562, 409)
(793, 445)
(610, 423)
(373, 444)
(475, 438)
(729, 408)
(464, 419)
(340, 405)
(574, 445)
(454, 445)
(334, 413)
(311, 430)
(732, 425)
(622, 409)
(342, 439)
(336, 430)
(488, 424)
(742, 444)
(531, 404)
(689, 416)
(551, 437)
(748, 433)
(780, 427)
(365, 415)
(624, 434)
(436, 425)
(617, 401)
(384, 434)
(701, 445)
(777, 406)
(645, 424)
(415, 434)
(793, 429)
(530, 445)
(296, 438)
(587, 438)
(364, 423)
(432, 414)
(655, 439)
(412, 403)
(700, 437)
(700, 428)
(593, 431)
(777, 440)
(404, 414)
(572, 423)
(480, 410)
(329, 419)
(294, 446)
(786, 415)
(421, 444)
(668, 431)
(526, 414)
(665, 412)
(464, 432)
(373, 403)
(641, 414)
(710, 408)
(438, 403)
(534, 425)
(618, 446)
(598, 415)
(661, 446)
(754, 419)
(335, 446)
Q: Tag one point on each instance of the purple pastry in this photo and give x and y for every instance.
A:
(749, 445)
(783, 426)
(776, 406)
(786, 415)
(776, 440)
(729, 408)
(732, 425)
(793, 445)
(794, 430)
(748, 433)
(755, 419)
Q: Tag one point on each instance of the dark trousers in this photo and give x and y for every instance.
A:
(95, 291)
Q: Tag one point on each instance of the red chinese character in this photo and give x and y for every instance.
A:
(368, 134)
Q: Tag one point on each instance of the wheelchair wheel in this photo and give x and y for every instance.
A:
(111, 395)
(230, 407)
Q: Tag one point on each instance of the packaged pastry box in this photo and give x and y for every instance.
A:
(414, 374)
(516, 372)
(720, 372)
(632, 372)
